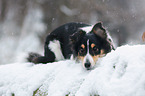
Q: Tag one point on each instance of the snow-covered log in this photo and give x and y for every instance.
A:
(119, 73)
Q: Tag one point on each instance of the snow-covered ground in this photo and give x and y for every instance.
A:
(119, 73)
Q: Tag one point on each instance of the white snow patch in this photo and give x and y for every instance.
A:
(68, 77)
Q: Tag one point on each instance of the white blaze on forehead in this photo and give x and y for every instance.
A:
(88, 57)
(87, 29)
(54, 46)
(88, 46)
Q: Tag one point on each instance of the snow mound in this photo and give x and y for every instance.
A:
(119, 73)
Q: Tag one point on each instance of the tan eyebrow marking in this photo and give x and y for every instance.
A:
(83, 46)
(92, 45)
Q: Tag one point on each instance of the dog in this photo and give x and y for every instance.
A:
(83, 42)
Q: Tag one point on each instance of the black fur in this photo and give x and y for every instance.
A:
(71, 37)
(62, 34)
(97, 35)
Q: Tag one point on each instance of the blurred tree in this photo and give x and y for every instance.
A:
(23, 20)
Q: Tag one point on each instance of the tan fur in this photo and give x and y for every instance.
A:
(83, 46)
(81, 58)
(95, 58)
(102, 53)
(92, 45)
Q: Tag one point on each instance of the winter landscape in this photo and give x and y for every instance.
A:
(120, 73)
(24, 25)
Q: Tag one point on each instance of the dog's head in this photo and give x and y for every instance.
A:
(88, 47)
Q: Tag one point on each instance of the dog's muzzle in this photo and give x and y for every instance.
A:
(87, 65)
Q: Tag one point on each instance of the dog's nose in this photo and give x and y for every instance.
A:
(87, 65)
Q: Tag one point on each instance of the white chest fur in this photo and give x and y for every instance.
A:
(55, 47)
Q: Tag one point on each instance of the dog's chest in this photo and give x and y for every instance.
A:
(55, 47)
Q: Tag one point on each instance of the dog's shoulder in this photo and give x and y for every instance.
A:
(64, 31)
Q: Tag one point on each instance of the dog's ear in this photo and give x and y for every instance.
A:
(75, 39)
(77, 36)
(99, 30)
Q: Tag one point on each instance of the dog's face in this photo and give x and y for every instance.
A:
(89, 50)
(88, 47)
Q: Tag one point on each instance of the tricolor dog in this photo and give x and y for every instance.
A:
(85, 43)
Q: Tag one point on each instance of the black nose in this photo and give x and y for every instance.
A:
(87, 65)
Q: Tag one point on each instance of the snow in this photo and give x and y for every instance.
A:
(19, 40)
(119, 73)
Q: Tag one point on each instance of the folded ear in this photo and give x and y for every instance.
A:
(99, 30)
(77, 36)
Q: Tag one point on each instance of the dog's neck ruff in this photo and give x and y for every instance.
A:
(87, 29)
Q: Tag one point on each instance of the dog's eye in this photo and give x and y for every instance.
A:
(82, 50)
(95, 48)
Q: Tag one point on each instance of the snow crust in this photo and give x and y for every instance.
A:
(119, 73)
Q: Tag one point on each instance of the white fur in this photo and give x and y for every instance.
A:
(72, 57)
(88, 57)
(109, 37)
(87, 29)
(54, 46)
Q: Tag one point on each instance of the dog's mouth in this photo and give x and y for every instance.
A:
(89, 67)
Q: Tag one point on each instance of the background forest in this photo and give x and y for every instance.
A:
(24, 24)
